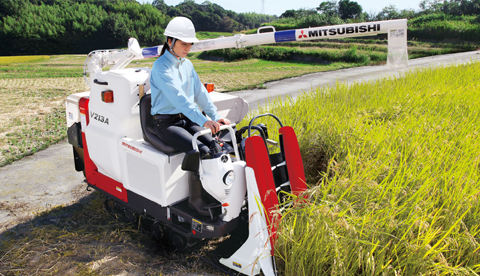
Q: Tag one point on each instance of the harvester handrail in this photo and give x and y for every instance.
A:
(262, 115)
(266, 27)
(208, 131)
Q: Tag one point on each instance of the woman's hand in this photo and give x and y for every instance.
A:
(212, 125)
(224, 121)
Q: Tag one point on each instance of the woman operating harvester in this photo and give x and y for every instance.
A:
(177, 96)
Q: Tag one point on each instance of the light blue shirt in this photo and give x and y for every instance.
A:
(176, 88)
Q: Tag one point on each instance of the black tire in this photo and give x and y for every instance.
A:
(157, 231)
(131, 216)
(177, 242)
(114, 209)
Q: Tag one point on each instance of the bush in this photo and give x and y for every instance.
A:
(276, 53)
(313, 20)
(352, 55)
(440, 26)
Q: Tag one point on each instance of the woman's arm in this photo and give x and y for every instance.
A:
(203, 99)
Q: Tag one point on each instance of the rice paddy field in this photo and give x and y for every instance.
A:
(394, 171)
(33, 94)
(393, 168)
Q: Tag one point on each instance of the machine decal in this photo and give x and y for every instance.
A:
(131, 147)
(237, 264)
(397, 33)
(83, 120)
(209, 228)
(340, 31)
(284, 36)
(150, 52)
(302, 35)
(119, 189)
(203, 46)
(98, 117)
(197, 225)
(224, 159)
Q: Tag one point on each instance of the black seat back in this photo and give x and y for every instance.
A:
(146, 120)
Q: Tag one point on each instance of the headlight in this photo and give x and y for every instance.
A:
(229, 178)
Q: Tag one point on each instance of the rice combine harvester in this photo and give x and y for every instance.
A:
(111, 130)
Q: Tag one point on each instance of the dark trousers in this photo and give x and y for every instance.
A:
(178, 134)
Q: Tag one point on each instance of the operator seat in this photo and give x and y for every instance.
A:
(146, 121)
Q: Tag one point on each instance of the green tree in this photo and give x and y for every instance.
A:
(329, 8)
(431, 6)
(388, 12)
(349, 9)
(161, 6)
(461, 7)
(288, 13)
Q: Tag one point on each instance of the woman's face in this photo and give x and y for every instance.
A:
(181, 48)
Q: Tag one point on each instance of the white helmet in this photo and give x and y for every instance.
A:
(181, 28)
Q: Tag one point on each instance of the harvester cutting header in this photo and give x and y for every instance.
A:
(185, 197)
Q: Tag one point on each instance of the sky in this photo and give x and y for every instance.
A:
(277, 7)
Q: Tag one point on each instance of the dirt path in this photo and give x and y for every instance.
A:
(37, 183)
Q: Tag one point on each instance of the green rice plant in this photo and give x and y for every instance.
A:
(394, 171)
(22, 59)
(44, 67)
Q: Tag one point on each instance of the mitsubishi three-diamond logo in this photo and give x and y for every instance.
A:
(302, 35)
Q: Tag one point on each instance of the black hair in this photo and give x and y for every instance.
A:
(165, 46)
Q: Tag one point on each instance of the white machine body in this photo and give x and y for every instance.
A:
(115, 140)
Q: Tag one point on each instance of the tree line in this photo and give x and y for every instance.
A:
(436, 19)
(208, 16)
(345, 11)
(76, 26)
(80, 26)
